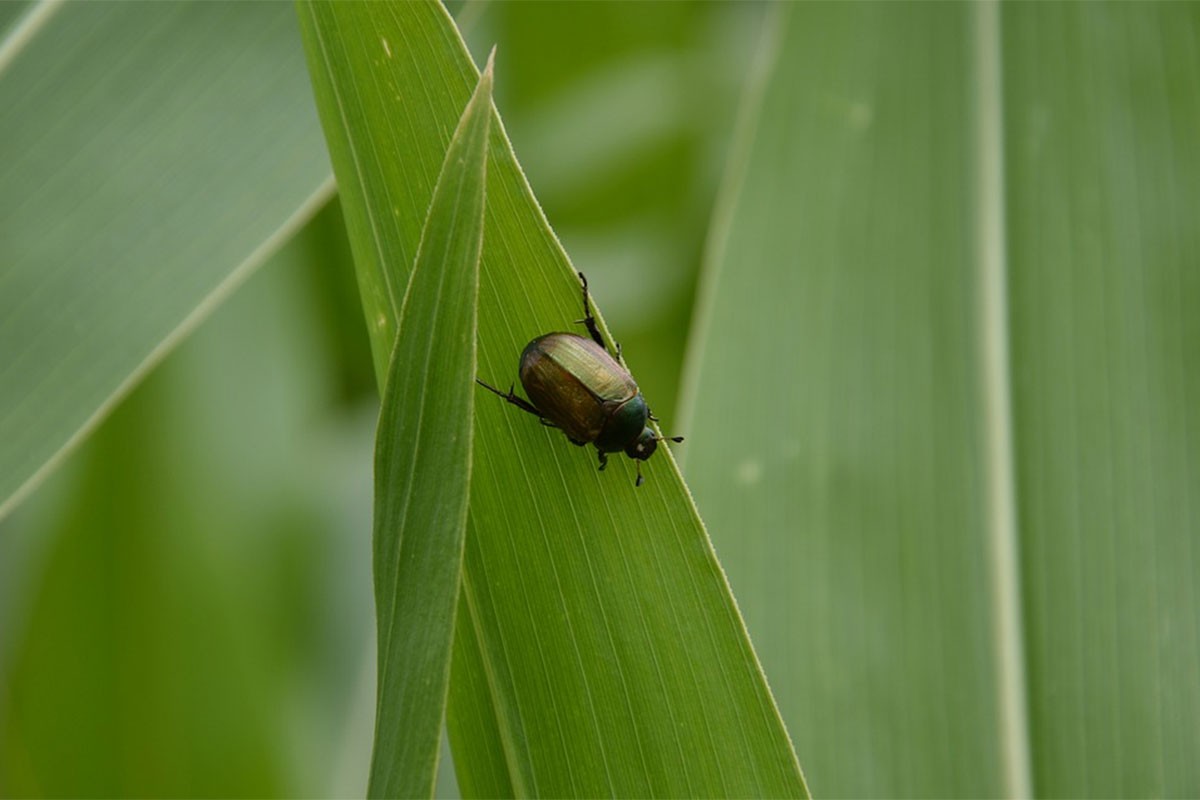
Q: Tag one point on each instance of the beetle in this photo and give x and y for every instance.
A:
(575, 385)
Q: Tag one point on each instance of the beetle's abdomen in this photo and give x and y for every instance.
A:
(574, 383)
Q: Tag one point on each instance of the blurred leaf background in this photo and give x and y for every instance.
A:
(185, 602)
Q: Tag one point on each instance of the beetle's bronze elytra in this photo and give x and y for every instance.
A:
(574, 384)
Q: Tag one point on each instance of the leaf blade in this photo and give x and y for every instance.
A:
(609, 650)
(423, 468)
(872, 341)
(1102, 210)
(130, 203)
(835, 334)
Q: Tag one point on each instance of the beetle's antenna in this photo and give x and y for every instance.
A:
(640, 480)
(675, 439)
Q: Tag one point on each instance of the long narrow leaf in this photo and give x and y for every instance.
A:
(846, 499)
(151, 155)
(423, 468)
(1102, 183)
(601, 652)
(952, 309)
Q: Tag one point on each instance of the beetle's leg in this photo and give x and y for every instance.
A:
(519, 402)
(589, 320)
(603, 458)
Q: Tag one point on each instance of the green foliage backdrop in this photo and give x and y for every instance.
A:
(940, 393)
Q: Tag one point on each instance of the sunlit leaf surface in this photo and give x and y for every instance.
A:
(598, 640)
(423, 468)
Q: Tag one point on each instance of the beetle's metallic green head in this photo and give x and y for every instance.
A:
(643, 446)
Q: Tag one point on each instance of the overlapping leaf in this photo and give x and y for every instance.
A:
(599, 651)
(150, 157)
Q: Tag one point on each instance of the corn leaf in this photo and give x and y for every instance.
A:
(135, 144)
(599, 651)
(945, 378)
(423, 468)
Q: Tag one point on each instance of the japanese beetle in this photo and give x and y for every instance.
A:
(575, 385)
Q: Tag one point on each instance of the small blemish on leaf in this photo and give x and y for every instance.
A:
(861, 115)
(749, 472)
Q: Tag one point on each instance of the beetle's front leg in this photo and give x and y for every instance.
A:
(588, 319)
(603, 458)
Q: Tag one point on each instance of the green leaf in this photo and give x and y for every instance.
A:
(178, 591)
(150, 157)
(950, 305)
(836, 401)
(423, 468)
(1102, 117)
(599, 652)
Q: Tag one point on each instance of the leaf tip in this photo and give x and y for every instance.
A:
(488, 68)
